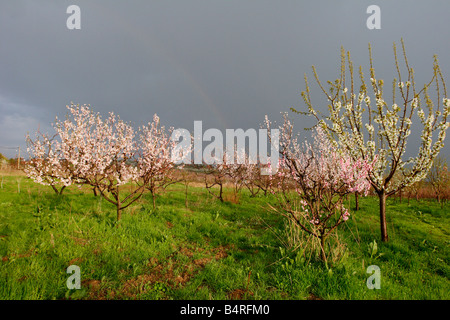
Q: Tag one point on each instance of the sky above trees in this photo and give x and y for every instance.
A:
(227, 63)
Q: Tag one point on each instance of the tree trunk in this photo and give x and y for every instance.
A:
(119, 211)
(322, 249)
(356, 201)
(383, 226)
(220, 193)
(58, 192)
(154, 199)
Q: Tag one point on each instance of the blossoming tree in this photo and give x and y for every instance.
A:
(253, 179)
(379, 132)
(156, 161)
(439, 178)
(216, 175)
(223, 168)
(313, 180)
(103, 154)
(46, 166)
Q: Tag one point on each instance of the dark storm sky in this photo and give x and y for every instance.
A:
(226, 62)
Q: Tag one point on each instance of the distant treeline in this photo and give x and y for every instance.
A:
(6, 163)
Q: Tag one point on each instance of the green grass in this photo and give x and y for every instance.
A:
(210, 250)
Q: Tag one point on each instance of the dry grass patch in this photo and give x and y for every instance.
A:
(173, 272)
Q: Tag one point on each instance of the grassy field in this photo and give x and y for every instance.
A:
(210, 250)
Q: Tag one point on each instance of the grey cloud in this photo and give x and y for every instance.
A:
(226, 62)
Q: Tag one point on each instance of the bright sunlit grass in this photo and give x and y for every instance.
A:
(210, 250)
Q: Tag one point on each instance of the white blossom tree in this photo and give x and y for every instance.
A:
(367, 130)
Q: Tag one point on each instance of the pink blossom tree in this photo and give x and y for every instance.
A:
(156, 160)
(101, 153)
(216, 176)
(46, 166)
(252, 177)
(439, 178)
(313, 180)
(236, 172)
(227, 169)
(65, 158)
